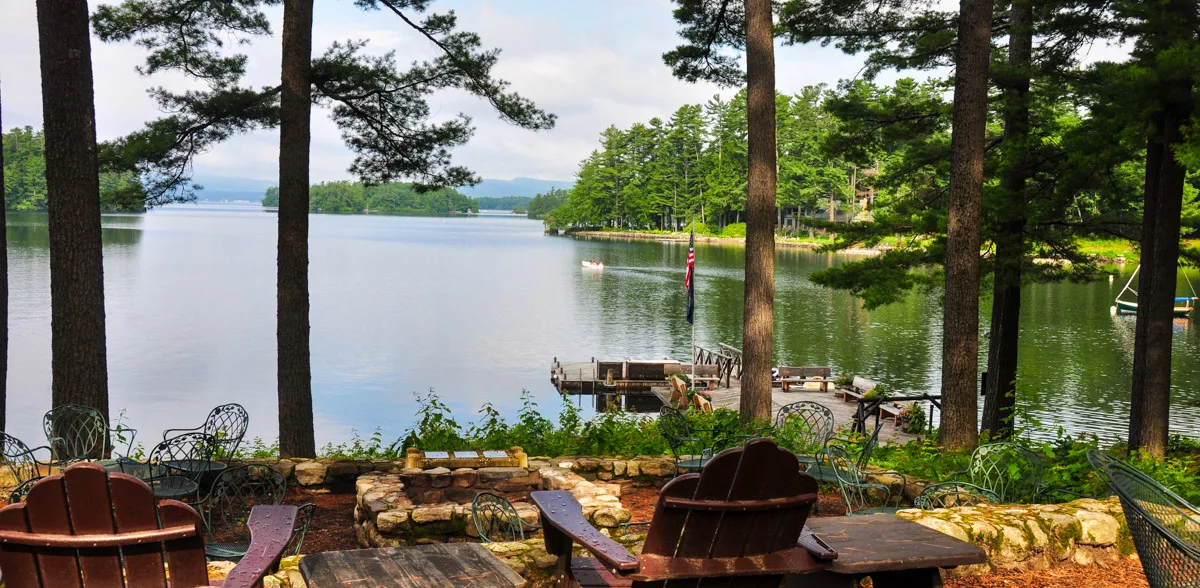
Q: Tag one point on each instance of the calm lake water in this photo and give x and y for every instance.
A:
(477, 307)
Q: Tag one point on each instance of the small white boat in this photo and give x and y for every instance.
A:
(592, 265)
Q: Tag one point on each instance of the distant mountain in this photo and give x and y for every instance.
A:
(528, 187)
(218, 188)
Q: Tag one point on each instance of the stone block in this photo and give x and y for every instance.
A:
(433, 513)
(285, 467)
(610, 517)
(460, 495)
(417, 480)
(464, 477)
(1097, 528)
(341, 470)
(506, 487)
(606, 476)
(439, 477)
(633, 469)
(656, 467)
(498, 474)
(427, 496)
(392, 522)
(310, 473)
(619, 468)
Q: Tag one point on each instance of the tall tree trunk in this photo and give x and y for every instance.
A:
(296, 438)
(3, 292)
(1010, 251)
(1151, 399)
(758, 322)
(78, 364)
(960, 330)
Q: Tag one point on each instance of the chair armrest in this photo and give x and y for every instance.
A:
(563, 522)
(270, 529)
(168, 433)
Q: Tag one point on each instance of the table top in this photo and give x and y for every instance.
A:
(421, 566)
(195, 465)
(882, 542)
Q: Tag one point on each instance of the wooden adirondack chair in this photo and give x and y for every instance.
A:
(69, 532)
(739, 519)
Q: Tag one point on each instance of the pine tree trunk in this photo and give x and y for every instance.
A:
(296, 437)
(1151, 398)
(3, 292)
(78, 364)
(758, 326)
(960, 330)
(1006, 302)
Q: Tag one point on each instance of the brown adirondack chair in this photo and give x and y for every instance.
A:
(69, 532)
(739, 520)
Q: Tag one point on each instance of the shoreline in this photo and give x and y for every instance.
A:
(710, 240)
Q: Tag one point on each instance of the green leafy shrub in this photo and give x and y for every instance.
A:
(701, 228)
(734, 230)
(844, 381)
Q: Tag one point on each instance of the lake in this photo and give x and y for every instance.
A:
(476, 308)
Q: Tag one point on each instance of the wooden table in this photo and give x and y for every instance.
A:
(421, 566)
(892, 551)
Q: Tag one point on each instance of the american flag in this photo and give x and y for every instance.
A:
(688, 282)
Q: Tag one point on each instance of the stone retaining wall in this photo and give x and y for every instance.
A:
(416, 506)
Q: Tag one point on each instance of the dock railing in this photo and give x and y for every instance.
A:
(867, 408)
(726, 364)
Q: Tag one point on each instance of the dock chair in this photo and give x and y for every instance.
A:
(234, 494)
(63, 535)
(496, 519)
(1165, 532)
(737, 522)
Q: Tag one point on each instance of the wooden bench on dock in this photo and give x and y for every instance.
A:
(787, 377)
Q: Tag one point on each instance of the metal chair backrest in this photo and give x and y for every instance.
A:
(76, 432)
(496, 519)
(695, 515)
(674, 427)
(1008, 470)
(227, 424)
(951, 494)
(188, 447)
(1165, 532)
(233, 493)
(20, 459)
(804, 426)
(849, 477)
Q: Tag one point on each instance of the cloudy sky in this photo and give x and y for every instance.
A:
(591, 63)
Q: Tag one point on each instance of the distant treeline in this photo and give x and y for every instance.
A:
(390, 198)
(25, 177)
(514, 203)
(542, 204)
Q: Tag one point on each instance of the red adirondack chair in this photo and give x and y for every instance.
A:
(739, 520)
(90, 528)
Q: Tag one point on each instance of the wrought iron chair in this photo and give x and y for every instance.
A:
(1100, 460)
(803, 428)
(1165, 531)
(227, 424)
(26, 468)
(234, 493)
(951, 494)
(859, 446)
(688, 448)
(1008, 470)
(857, 492)
(496, 519)
(78, 432)
(177, 465)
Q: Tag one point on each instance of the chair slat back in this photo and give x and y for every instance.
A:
(86, 500)
(804, 426)
(693, 518)
(1007, 469)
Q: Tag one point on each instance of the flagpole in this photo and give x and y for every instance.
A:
(694, 387)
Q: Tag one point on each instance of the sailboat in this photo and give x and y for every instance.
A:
(1184, 305)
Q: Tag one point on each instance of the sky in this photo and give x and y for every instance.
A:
(593, 64)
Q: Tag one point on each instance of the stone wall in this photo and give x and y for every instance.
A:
(1034, 536)
(416, 506)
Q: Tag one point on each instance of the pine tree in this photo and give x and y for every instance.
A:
(78, 364)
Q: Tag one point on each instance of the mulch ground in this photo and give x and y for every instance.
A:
(332, 529)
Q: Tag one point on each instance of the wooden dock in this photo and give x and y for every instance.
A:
(843, 412)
